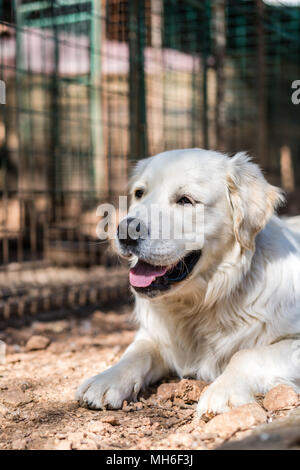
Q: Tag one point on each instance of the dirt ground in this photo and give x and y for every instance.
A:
(38, 410)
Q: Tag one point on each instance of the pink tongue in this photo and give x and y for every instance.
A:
(143, 274)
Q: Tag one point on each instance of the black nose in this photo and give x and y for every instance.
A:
(131, 230)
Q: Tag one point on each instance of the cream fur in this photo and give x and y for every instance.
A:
(236, 320)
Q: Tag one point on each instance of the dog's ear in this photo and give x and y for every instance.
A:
(252, 199)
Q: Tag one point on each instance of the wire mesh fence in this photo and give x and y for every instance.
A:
(94, 85)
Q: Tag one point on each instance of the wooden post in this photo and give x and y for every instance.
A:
(137, 93)
(156, 140)
(287, 169)
(262, 128)
(205, 132)
(220, 51)
(99, 157)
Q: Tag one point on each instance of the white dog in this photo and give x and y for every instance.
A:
(228, 313)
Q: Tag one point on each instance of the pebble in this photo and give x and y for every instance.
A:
(99, 428)
(37, 342)
(280, 397)
(238, 419)
(110, 420)
(189, 390)
(185, 391)
(166, 391)
(3, 410)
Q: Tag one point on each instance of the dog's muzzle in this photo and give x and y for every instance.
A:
(130, 231)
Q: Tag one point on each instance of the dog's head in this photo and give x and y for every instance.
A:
(188, 209)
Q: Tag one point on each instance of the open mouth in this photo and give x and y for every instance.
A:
(150, 280)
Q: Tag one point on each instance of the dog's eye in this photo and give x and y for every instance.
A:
(184, 200)
(138, 193)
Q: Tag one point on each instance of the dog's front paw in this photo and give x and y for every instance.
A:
(223, 394)
(108, 390)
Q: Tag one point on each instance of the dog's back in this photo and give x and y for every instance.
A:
(293, 223)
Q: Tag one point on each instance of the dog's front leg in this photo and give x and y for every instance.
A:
(250, 372)
(140, 365)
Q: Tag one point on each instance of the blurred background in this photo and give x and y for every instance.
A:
(94, 85)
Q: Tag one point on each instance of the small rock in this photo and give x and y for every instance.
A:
(99, 428)
(189, 390)
(238, 419)
(138, 406)
(3, 410)
(156, 425)
(166, 391)
(26, 386)
(125, 406)
(146, 422)
(185, 391)
(110, 420)
(280, 397)
(37, 342)
(2, 352)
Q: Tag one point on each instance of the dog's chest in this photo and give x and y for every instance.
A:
(195, 356)
(196, 345)
(189, 347)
